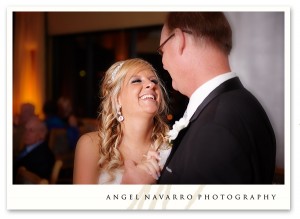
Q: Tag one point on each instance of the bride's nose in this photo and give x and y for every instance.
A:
(149, 84)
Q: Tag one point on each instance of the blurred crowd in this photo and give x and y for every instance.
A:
(36, 139)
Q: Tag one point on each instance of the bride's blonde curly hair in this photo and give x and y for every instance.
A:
(110, 132)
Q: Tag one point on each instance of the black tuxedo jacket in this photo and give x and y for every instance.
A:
(39, 161)
(229, 140)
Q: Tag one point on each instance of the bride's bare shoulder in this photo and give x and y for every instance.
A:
(90, 138)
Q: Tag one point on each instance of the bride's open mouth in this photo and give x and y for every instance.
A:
(148, 97)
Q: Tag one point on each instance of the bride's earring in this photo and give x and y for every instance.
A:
(120, 118)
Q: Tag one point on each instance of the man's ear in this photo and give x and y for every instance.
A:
(180, 40)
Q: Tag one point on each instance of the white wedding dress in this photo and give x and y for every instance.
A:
(104, 176)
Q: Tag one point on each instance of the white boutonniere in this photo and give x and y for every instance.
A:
(179, 125)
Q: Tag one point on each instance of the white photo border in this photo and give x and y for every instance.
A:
(145, 197)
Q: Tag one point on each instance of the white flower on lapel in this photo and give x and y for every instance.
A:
(179, 125)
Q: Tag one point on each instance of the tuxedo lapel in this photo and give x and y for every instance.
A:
(228, 85)
(175, 143)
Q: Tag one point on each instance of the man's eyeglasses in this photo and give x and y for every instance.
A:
(159, 49)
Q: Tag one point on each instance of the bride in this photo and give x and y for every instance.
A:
(131, 128)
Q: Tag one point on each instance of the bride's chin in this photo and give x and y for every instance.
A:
(151, 112)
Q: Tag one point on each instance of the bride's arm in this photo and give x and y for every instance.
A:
(86, 159)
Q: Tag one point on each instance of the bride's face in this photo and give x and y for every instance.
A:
(140, 94)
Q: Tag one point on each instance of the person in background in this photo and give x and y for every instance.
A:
(36, 156)
(224, 136)
(52, 120)
(27, 111)
(132, 129)
(60, 115)
(65, 112)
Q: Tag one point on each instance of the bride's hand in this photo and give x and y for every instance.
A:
(151, 164)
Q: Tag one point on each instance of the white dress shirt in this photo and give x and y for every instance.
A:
(203, 91)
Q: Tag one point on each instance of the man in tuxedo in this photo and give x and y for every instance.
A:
(36, 156)
(228, 138)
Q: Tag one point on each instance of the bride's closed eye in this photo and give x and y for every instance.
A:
(136, 81)
(139, 80)
(155, 81)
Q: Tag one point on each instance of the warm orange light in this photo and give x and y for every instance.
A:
(30, 86)
(169, 117)
(28, 62)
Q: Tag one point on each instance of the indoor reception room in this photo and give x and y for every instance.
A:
(60, 59)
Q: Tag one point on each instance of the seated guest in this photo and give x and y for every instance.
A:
(36, 156)
(60, 115)
(52, 120)
(66, 113)
(27, 110)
